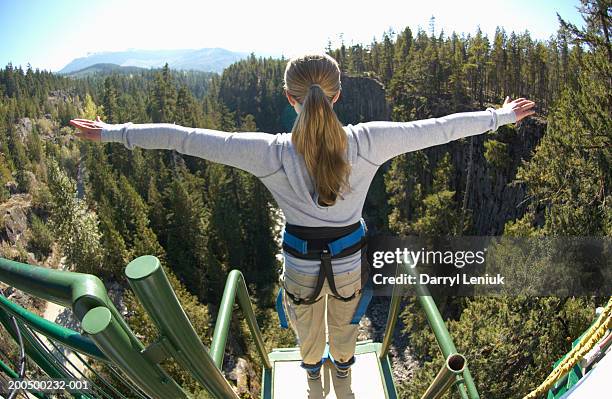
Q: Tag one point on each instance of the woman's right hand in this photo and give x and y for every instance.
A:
(88, 129)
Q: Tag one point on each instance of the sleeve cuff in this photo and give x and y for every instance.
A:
(502, 116)
(114, 133)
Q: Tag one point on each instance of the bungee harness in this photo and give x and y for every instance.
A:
(325, 244)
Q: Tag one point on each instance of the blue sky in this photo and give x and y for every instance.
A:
(49, 34)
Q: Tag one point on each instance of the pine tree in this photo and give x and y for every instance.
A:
(162, 106)
(109, 102)
(570, 171)
(439, 215)
(75, 227)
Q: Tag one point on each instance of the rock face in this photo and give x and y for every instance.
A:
(492, 197)
(362, 99)
(23, 128)
(13, 218)
(244, 374)
(372, 326)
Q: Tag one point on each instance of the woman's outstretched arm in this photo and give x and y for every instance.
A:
(380, 141)
(257, 153)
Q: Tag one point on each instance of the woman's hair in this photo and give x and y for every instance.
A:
(314, 80)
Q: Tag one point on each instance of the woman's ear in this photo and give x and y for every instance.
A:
(336, 97)
(290, 98)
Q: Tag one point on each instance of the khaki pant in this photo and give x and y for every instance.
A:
(308, 321)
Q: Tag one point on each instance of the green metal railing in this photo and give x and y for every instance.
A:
(66, 336)
(236, 286)
(453, 368)
(178, 337)
(107, 337)
(84, 293)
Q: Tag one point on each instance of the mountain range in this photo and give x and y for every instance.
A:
(205, 59)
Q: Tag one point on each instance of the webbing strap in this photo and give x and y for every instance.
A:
(296, 243)
(364, 302)
(337, 246)
(280, 309)
(328, 272)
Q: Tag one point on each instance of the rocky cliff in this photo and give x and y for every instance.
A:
(362, 99)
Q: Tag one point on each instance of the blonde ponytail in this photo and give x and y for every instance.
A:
(314, 80)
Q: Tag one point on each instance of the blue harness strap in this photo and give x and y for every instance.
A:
(296, 243)
(326, 354)
(280, 309)
(364, 302)
(335, 247)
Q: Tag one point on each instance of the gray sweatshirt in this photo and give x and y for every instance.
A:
(273, 159)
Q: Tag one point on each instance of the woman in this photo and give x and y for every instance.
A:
(319, 175)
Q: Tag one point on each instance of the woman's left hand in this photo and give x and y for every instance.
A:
(521, 107)
(88, 129)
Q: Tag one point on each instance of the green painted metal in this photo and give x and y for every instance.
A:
(464, 381)
(78, 291)
(79, 374)
(9, 371)
(392, 316)
(83, 293)
(387, 374)
(30, 336)
(236, 286)
(12, 374)
(34, 351)
(453, 365)
(100, 324)
(31, 351)
(150, 284)
(568, 380)
(66, 336)
(103, 380)
(109, 337)
(293, 354)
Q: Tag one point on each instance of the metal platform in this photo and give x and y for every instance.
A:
(370, 377)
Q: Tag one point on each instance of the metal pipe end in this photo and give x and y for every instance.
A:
(456, 363)
(96, 320)
(142, 267)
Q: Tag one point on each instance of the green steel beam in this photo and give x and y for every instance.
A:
(453, 366)
(13, 375)
(8, 371)
(392, 316)
(31, 351)
(110, 337)
(66, 336)
(443, 337)
(150, 284)
(35, 352)
(78, 291)
(236, 286)
(45, 352)
(83, 293)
